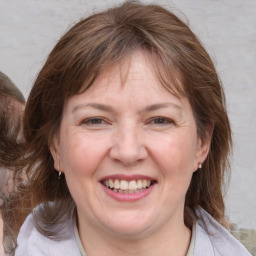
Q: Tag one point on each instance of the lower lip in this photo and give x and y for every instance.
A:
(129, 197)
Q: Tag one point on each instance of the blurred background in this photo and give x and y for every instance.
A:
(30, 28)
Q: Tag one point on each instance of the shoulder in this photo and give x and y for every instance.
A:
(31, 242)
(212, 239)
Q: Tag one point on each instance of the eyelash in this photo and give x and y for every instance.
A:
(163, 120)
(98, 121)
(91, 121)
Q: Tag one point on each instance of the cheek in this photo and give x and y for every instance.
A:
(81, 154)
(80, 158)
(175, 153)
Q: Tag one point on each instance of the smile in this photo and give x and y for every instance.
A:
(127, 187)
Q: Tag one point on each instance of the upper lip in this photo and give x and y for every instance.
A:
(127, 177)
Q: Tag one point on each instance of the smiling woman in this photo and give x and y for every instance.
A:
(135, 158)
(127, 143)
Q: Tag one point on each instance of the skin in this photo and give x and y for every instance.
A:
(139, 128)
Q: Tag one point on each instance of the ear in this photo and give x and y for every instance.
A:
(54, 149)
(203, 147)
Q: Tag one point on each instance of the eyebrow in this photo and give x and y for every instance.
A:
(154, 107)
(108, 108)
(99, 106)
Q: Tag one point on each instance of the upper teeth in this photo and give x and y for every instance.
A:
(127, 185)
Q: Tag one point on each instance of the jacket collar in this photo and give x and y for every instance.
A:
(212, 239)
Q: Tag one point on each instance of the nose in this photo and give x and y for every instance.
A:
(128, 147)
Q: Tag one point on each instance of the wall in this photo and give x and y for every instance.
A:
(29, 29)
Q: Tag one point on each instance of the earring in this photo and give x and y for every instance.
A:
(59, 177)
(199, 166)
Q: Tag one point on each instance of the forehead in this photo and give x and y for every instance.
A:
(134, 80)
(137, 69)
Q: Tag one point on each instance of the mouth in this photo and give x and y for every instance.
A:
(128, 186)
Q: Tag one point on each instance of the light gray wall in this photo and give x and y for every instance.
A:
(30, 28)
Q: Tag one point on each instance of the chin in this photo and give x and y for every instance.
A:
(130, 227)
(129, 232)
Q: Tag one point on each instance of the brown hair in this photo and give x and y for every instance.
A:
(73, 65)
(11, 112)
(10, 119)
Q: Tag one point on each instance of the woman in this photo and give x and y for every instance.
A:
(127, 142)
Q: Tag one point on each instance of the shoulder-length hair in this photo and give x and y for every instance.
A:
(76, 61)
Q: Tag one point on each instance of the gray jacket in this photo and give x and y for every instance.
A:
(211, 239)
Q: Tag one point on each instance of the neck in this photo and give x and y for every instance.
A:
(173, 240)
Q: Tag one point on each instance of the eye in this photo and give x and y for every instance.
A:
(94, 121)
(161, 121)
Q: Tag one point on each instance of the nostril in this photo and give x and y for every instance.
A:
(128, 151)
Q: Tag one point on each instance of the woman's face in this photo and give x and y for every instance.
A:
(128, 149)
